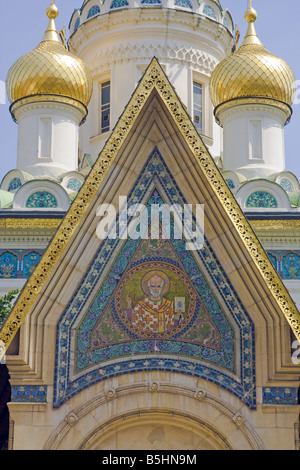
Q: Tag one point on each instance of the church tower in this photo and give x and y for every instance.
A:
(49, 90)
(252, 93)
(118, 38)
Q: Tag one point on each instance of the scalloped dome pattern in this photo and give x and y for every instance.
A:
(252, 72)
(49, 69)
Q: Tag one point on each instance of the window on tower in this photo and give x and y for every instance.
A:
(198, 106)
(105, 106)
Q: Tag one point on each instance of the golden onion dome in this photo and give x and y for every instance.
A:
(50, 69)
(252, 73)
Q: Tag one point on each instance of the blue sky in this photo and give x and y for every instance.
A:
(23, 28)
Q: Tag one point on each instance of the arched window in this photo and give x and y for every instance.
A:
(8, 265)
(209, 11)
(93, 11)
(41, 199)
(291, 266)
(261, 199)
(198, 106)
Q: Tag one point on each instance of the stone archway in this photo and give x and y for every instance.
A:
(135, 414)
(155, 431)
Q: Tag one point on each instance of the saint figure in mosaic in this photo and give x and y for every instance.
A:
(154, 313)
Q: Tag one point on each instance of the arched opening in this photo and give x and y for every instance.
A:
(155, 431)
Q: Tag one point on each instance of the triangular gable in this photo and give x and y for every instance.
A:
(153, 80)
(203, 329)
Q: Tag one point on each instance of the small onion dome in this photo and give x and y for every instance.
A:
(252, 73)
(50, 70)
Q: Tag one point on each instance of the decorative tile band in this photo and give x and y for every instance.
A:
(261, 199)
(286, 263)
(29, 393)
(19, 263)
(41, 199)
(280, 396)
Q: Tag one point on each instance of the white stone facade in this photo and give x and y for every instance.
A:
(47, 138)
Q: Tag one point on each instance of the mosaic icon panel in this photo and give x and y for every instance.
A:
(198, 327)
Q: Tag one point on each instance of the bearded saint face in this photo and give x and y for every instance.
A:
(155, 285)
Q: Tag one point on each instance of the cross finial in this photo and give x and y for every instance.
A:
(251, 36)
(51, 33)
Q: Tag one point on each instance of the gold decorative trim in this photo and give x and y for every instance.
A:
(253, 100)
(47, 98)
(275, 224)
(29, 223)
(154, 79)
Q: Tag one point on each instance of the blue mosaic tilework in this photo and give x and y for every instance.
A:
(230, 184)
(14, 184)
(124, 353)
(287, 185)
(261, 199)
(118, 3)
(29, 263)
(77, 24)
(41, 199)
(18, 263)
(273, 260)
(183, 3)
(280, 396)
(29, 393)
(180, 342)
(209, 11)
(286, 263)
(291, 266)
(8, 265)
(225, 23)
(93, 11)
(74, 185)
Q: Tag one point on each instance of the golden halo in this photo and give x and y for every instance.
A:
(149, 275)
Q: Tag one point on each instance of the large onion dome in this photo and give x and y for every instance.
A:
(50, 71)
(253, 74)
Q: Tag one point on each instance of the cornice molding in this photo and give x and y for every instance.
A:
(16, 223)
(253, 103)
(57, 102)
